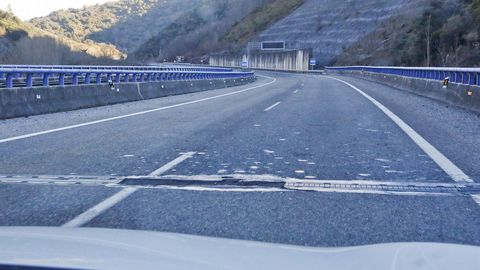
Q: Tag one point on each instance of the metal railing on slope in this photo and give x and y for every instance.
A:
(30, 76)
(468, 76)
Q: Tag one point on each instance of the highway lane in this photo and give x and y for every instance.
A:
(298, 126)
(454, 131)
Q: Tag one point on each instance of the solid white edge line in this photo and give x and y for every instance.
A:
(165, 168)
(135, 114)
(111, 201)
(271, 107)
(443, 162)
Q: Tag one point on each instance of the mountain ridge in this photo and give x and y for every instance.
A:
(381, 32)
(17, 40)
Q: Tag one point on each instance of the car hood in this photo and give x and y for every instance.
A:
(91, 248)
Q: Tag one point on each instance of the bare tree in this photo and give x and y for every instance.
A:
(428, 34)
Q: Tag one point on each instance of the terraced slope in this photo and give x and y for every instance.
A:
(331, 26)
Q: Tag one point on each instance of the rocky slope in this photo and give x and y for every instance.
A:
(330, 27)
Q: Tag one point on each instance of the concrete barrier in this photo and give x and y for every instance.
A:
(18, 102)
(461, 95)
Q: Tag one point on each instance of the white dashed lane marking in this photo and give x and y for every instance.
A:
(172, 164)
(108, 203)
(271, 107)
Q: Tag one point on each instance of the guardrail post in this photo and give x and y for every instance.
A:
(99, 78)
(46, 77)
(117, 77)
(61, 79)
(9, 80)
(29, 80)
(88, 78)
(142, 77)
(75, 78)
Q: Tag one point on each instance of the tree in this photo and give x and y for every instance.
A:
(428, 33)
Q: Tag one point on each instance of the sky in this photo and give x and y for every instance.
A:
(27, 9)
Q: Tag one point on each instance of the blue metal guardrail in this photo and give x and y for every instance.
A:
(143, 68)
(30, 76)
(468, 76)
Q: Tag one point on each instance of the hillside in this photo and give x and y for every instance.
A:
(452, 28)
(330, 27)
(157, 29)
(200, 31)
(127, 23)
(346, 32)
(23, 43)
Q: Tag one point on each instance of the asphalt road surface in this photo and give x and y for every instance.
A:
(299, 159)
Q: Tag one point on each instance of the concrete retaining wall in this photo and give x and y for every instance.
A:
(465, 96)
(297, 60)
(18, 102)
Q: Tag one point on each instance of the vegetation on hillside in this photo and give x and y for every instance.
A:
(23, 43)
(126, 23)
(447, 34)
